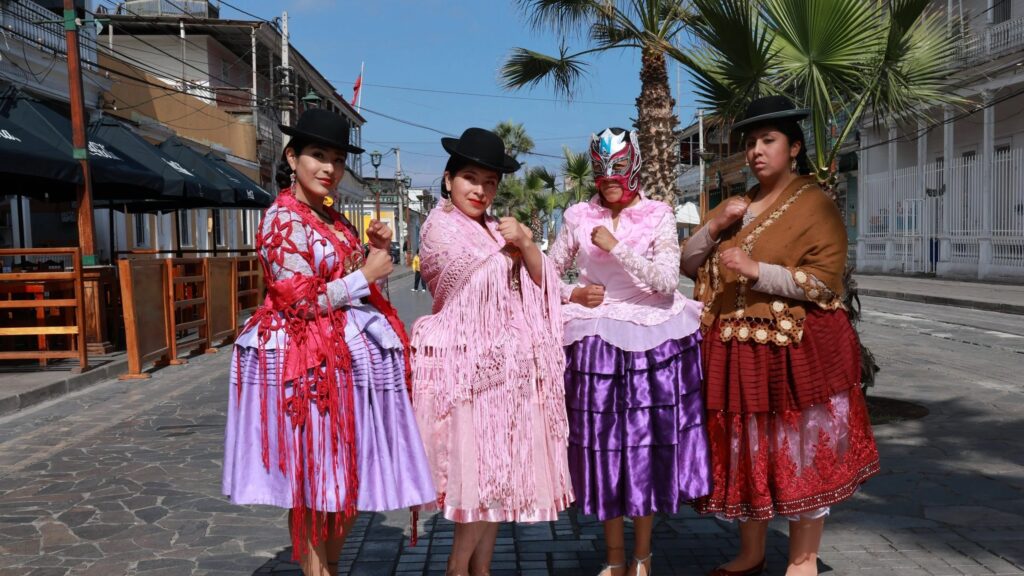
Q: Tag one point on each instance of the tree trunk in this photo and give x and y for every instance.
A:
(656, 124)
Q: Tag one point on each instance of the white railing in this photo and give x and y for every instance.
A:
(1008, 207)
(999, 40)
(29, 22)
(174, 8)
(907, 214)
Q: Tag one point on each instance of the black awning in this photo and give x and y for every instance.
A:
(115, 175)
(182, 188)
(29, 164)
(248, 194)
(222, 190)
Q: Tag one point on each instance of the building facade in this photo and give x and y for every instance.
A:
(946, 197)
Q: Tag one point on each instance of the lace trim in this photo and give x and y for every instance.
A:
(748, 243)
(658, 266)
(816, 290)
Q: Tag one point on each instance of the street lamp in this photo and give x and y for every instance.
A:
(375, 158)
(403, 184)
(312, 99)
(706, 157)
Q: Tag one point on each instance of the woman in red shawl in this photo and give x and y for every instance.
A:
(319, 418)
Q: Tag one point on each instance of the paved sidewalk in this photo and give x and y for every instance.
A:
(1007, 298)
(124, 478)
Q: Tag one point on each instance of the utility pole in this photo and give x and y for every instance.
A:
(256, 110)
(700, 153)
(86, 226)
(286, 115)
(398, 213)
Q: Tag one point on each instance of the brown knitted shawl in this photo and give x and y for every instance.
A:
(802, 231)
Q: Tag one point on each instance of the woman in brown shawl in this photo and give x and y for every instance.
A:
(787, 423)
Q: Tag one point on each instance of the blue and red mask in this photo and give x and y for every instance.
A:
(615, 156)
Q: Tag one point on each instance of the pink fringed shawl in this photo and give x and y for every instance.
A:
(494, 340)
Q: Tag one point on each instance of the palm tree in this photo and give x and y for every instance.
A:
(648, 25)
(515, 138)
(839, 58)
(579, 178)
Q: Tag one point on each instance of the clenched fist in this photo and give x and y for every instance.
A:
(377, 265)
(514, 233)
(591, 295)
(603, 239)
(736, 260)
(379, 235)
(732, 212)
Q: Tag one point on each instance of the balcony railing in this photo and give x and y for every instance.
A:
(29, 22)
(174, 8)
(991, 43)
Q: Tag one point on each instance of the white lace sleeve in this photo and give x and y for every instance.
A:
(339, 293)
(661, 273)
(563, 253)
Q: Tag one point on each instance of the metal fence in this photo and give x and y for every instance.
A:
(30, 22)
(174, 8)
(909, 213)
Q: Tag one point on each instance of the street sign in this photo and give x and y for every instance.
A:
(388, 199)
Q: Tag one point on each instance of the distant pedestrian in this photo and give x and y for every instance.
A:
(319, 418)
(417, 281)
(787, 420)
(488, 362)
(637, 443)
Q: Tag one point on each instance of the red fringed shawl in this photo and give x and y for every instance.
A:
(315, 364)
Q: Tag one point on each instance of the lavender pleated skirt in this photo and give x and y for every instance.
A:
(637, 440)
(392, 465)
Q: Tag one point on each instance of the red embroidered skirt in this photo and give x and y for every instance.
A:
(787, 425)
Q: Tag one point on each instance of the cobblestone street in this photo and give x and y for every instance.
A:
(124, 477)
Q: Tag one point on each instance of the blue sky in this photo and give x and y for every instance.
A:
(454, 46)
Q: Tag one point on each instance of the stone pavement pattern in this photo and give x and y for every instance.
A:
(124, 478)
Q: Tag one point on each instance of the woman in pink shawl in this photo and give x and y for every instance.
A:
(488, 364)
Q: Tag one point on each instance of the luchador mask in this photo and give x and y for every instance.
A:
(615, 155)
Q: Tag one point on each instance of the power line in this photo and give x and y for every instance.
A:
(125, 77)
(176, 58)
(922, 131)
(483, 95)
(249, 14)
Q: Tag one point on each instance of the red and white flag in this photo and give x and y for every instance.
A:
(357, 100)
(355, 89)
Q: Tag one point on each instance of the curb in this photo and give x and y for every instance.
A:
(944, 301)
(73, 383)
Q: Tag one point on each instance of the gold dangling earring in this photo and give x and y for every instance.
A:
(793, 166)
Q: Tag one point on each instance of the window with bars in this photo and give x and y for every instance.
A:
(141, 230)
(218, 228)
(185, 228)
(1000, 11)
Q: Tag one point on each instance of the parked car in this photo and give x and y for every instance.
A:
(394, 252)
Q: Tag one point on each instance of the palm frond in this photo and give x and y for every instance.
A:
(562, 16)
(609, 34)
(734, 55)
(916, 66)
(528, 68)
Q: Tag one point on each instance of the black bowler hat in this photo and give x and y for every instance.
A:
(771, 108)
(323, 127)
(481, 147)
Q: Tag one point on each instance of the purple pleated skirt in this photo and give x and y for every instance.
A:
(391, 462)
(637, 440)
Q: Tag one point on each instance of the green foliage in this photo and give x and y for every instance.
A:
(837, 57)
